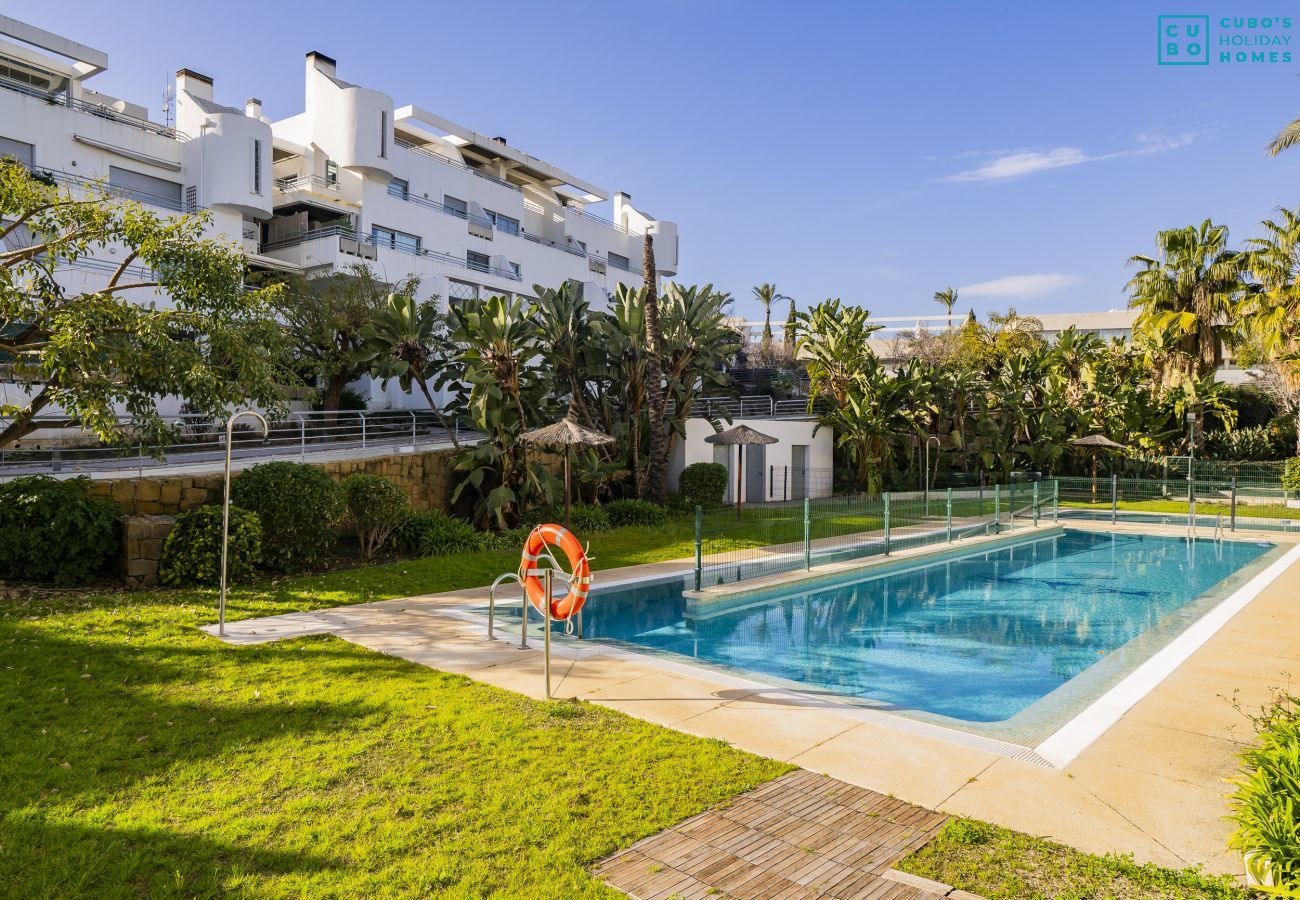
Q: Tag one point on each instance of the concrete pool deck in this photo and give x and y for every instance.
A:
(1153, 784)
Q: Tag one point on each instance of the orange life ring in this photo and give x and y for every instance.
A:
(579, 581)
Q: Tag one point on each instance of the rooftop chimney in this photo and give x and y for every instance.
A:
(253, 108)
(322, 63)
(501, 140)
(194, 84)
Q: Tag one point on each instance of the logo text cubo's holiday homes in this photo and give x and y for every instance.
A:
(1197, 40)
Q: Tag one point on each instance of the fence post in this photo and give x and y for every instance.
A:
(302, 439)
(1056, 500)
(885, 506)
(363, 430)
(1011, 505)
(412, 412)
(950, 515)
(997, 508)
(1035, 504)
(699, 547)
(1114, 498)
(807, 533)
(1232, 515)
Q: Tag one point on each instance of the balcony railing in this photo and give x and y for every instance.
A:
(95, 109)
(342, 231)
(607, 223)
(68, 180)
(305, 183)
(416, 148)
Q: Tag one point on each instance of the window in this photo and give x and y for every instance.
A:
(514, 267)
(620, 262)
(455, 206)
(503, 223)
(479, 262)
(257, 166)
(22, 151)
(394, 240)
(399, 187)
(145, 188)
(383, 134)
(331, 173)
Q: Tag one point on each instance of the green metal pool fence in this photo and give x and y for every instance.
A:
(1215, 502)
(782, 537)
(779, 537)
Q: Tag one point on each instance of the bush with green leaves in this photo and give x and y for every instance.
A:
(1266, 803)
(299, 506)
(635, 512)
(192, 553)
(52, 530)
(583, 517)
(1291, 475)
(703, 484)
(375, 507)
(434, 533)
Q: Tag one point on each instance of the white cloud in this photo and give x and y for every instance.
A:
(1023, 162)
(1016, 163)
(1020, 287)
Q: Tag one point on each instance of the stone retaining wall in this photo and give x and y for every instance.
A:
(151, 505)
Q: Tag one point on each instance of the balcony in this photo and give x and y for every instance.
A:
(95, 109)
(416, 148)
(101, 186)
(349, 238)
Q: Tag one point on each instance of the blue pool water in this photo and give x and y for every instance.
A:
(978, 638)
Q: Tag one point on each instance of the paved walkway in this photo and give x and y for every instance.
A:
(1153, 785)
(800, 836)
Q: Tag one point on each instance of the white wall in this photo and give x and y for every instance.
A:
(788, 432)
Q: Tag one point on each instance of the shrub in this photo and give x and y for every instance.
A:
(582, 518)
(703, 484)
(1291, 474)
(1256, 442)
(375, 507)
(192, 554)
(434, 533)
(1265, 805)
(52, 530)
(299, 506)
(635, 512)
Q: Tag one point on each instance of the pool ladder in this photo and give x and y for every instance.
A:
(1218, 527)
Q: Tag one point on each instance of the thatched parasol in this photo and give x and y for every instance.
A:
(740, 436)
(1096, 442)
(566, 433)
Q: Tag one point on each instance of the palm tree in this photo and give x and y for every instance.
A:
(1190, 291)
(622, 335)
(1274, 260)
(698, 342)
(656, 485)
(1285, 139)
(947, 298)
(833, 339)
(564, 330)
(400, 343)
(766, 295)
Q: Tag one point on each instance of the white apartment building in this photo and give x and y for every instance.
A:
(353, 178)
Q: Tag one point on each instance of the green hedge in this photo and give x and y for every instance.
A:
(52, 530)
(703, 484)
(583, 517)
(375, 507)
(635, 512)
(299, 506)
(192, 553)
(434, 533)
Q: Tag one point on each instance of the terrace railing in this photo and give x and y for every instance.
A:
(774, 538)
(99, 110)
(59, 447)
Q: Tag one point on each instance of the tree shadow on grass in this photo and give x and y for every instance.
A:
(44, 858)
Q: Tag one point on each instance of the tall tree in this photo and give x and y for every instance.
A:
(947, 298)
(698, 341)
(406, 341)
(1190, 292)
(325, 319)
(790, 327)
(656, 487)
(564, 330)
(766, 295)
(622, 335)
(95, 350)
(1274, 260)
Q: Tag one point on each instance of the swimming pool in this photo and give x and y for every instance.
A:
(1008, 642)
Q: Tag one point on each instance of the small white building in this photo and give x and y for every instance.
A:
(798, 465)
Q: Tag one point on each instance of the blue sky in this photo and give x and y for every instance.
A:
(876, 152)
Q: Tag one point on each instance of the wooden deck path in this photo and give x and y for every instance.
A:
(802, 835)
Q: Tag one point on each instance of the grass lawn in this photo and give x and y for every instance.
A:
(143, 758)
(1203, 508)
(1005, 865)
